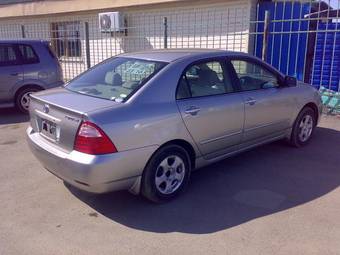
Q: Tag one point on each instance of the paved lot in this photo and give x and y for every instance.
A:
(272, 200)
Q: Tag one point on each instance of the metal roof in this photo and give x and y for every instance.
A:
(22, 41)
(3, 2)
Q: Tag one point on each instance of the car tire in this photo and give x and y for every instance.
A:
(22, 98)
(167, 174)
(303, 127)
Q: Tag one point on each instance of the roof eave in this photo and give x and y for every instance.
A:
(49, 7)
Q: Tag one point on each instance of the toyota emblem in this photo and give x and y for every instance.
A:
(46, 108)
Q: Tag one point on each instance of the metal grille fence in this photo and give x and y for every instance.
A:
(79, 42)
(300, 38)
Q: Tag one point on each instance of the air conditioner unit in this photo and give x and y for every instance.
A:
(111, 22)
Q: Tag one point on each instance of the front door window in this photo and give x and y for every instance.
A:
(253, 76)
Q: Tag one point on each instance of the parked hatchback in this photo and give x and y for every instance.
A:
(144, 121)
(26, 66)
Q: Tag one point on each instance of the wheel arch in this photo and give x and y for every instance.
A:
(292, 138)
(136, 187)
(26, 86)
(185, 145)
(314, 107)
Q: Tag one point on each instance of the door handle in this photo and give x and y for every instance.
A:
(250, 101)
(192, 110)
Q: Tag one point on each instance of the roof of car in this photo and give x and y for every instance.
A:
(22, 41)
(170, 55)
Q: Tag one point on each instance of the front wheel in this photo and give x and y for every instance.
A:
(167, 174)
(303, 128)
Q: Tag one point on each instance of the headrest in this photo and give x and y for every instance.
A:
(113, 78)
(208, 75)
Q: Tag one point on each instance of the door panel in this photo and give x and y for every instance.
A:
(33, 69)
(217, 123)
(268, 106)
(267, 111)
(9, 77)
(212, 113)
(11, 72)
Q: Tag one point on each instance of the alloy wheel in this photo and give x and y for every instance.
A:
(170, 174)
(25, 100)
(306, 128)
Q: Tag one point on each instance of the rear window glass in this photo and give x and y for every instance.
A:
(28, 54)
(115, 79)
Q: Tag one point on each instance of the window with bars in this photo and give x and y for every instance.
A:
(65, 39)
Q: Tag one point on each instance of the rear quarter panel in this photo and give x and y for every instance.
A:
(135, 126)
(150, 116)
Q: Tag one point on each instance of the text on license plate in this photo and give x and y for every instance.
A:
(50, 129)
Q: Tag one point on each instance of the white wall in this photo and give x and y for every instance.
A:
(220, 26)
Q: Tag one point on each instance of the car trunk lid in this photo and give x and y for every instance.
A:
(56, 114)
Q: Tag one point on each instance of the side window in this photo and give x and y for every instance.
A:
(28, 54)
(7, 55)
(253, 76)
(204, 79)
(183, 89)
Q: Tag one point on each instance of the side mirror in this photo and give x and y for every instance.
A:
(290, 81)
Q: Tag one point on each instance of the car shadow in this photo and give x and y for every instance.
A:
(12, 116)
(266, 180)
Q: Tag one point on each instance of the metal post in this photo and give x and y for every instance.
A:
(125, 26)
(165, 24)
(265, 35)
(23, 35)
(87, 45)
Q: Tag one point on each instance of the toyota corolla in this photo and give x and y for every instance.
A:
(144, 121)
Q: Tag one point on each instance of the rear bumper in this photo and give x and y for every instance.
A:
(92, 173)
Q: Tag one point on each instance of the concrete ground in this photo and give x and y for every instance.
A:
(272, 200)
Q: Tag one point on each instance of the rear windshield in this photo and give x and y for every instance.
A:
(115, 79)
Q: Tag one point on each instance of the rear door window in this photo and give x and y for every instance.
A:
(204, 79)
(7, 55)
(28, 54)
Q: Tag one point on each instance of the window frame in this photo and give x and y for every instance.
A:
(226, 73)
(22, 58)
(280, 77)
(18, 60)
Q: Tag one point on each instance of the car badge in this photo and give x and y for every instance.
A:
(46, 108)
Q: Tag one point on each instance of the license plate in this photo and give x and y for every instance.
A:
(49, 129)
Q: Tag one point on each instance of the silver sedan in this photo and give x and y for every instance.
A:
(143, 121)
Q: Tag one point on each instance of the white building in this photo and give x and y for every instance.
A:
(222, 24)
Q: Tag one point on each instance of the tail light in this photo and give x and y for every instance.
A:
(91, 139)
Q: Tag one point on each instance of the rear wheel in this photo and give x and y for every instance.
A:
(22, 100)
(303, 127)
(167, 174)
